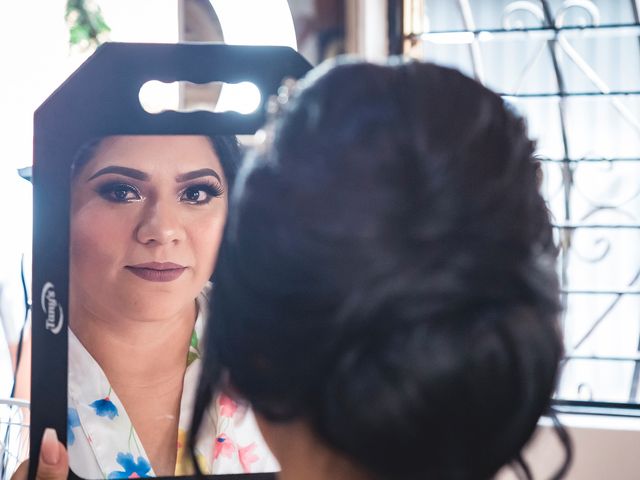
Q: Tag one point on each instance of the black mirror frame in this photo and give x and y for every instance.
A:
(101, 99)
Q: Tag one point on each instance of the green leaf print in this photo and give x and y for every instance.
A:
(191, 357)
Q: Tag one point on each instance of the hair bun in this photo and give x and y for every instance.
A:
(404, 401)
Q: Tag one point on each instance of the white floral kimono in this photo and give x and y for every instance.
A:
(102, 442)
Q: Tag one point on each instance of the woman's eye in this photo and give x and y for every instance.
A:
(193, 195)
(120, 193)
(200, 194)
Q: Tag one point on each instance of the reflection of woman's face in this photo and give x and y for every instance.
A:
(146, 222)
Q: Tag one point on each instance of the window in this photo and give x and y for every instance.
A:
(572, 68)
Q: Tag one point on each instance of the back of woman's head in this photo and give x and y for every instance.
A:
(388, 274)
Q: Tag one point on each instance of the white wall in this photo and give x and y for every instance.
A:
(605, 448)
(35, 57)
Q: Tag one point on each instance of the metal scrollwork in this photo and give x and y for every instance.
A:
(594, 201)
(602, 193)
(511, 11)
(585, 392)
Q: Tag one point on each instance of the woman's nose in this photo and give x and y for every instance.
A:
(160, 224)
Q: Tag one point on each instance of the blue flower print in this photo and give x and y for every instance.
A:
(131, 468)
(73, 420)
(105, 408)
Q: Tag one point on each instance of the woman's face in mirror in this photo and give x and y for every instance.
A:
(147, 217)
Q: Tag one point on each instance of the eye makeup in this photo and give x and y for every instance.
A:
(119, 192)
(201, 193)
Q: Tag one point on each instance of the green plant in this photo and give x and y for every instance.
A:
(87, 26)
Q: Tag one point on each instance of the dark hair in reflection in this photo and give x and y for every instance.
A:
(225, 146)
(388, 275)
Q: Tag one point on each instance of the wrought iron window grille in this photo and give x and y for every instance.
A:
(596, 298)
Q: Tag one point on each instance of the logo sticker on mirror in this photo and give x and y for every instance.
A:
(51, 307)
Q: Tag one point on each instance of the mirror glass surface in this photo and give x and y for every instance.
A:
(147, 216)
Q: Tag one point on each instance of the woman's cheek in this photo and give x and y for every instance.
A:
(208, 242)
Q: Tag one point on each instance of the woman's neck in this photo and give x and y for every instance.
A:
(144, 362)
(139, 354)
(302, 456)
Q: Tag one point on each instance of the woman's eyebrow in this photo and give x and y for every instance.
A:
(203, 172)
(126, 171)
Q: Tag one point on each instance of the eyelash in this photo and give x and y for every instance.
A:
(109, 191)
(211, 189)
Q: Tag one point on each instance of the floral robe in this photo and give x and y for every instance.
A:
(102, 442)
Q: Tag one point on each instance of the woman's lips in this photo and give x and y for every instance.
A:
(156, 271)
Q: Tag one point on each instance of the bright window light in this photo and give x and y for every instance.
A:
(34, 64)
(156, 97)
(256, 22)
(243, 97)
(252, 22)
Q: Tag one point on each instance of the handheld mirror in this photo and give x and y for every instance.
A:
(129, 208)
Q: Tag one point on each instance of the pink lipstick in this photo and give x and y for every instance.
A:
(157, 271)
